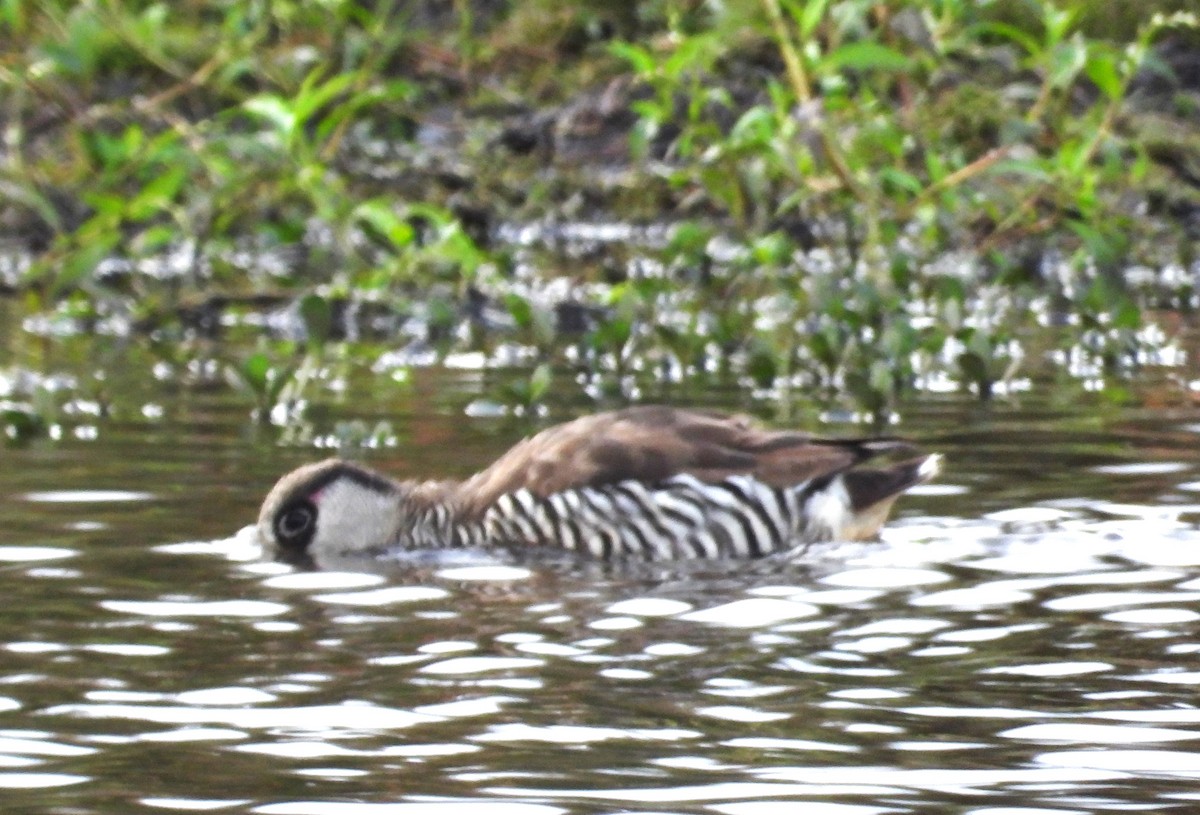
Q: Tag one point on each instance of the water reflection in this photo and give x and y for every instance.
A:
(1014, 644)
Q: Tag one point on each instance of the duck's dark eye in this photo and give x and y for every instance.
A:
(295, 524)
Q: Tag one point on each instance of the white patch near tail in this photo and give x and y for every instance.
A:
(827, 512)
(931, 466)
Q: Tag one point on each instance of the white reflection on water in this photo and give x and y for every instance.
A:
(36, 647)
(85, 496)
(998, 594)
(1051, 669)
(24, 554)
(498, 573)
(196, 608)
(241, 547)
(896, 625)
(1144, 468)
(823, 784)
(752, 612)
(615, 623)
(649, 607)
(578, 734)
(886, 578)
(325, 719)
(742, 689)
(1153, 616)
(1180, 715)
(128, 649)
(1031, 515)
(1172, 676)
(1152, 762)
(474, 807)
(550, 649)
(958, 781)
(226, 696)
(35, 781)
(37, 744)
(194, 804)
(1108, 599)
(1081, 733)
(798, 745)
(385, 597)
(738, 713)
(987, 634)
(790, 807)
(324, 749)
(307, 581)
(876, 645)
(481, 664)
(193, 734)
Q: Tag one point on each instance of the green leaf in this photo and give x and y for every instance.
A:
(868, 56)
(23, 193)
(520, 309)
(772, 249)
(1031, 168)
(1058, 21)
(901, 179)
(254, 372)
(762, 367)
(539, 382)
(1102, 69)
(81, 263)
(15, 15)
(19, 423)
(612, 334)
(1066, 61)
(1126, 315)
(155, 239)
(318, 318)
(809, 16)
(866, 394)
(378, 215)
(689, 239)
(314, 95)
(755, 127)
(975, 371)
(1008, 32)
(278, 378)
(1107, 246)
(640, 59)
(695, 53)
(275, 111)
(820, 346)
(157, 195)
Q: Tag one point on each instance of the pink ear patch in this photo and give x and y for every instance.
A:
(315, 497)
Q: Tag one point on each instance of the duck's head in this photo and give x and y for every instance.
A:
(327, 509)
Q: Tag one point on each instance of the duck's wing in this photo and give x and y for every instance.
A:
(650, 444)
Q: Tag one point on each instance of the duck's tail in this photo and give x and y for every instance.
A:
(872, 491)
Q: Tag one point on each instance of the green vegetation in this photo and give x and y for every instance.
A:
(832, 200)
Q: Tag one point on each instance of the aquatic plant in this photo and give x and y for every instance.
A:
(847, 199)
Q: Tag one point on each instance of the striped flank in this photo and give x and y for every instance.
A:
(680, 518)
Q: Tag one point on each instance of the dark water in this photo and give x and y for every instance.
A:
(1024, 639)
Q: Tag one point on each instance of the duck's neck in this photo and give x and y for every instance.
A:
(432, 517)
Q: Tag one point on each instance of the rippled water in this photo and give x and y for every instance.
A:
(1024, 639)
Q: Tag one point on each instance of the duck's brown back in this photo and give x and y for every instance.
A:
(652, 443)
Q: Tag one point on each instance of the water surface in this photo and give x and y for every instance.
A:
(1023, 639)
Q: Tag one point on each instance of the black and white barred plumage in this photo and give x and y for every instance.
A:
(643, 484)
(681, 518)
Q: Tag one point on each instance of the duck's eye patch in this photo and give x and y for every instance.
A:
(295, 524)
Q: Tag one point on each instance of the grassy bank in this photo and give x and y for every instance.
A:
(845, 200)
